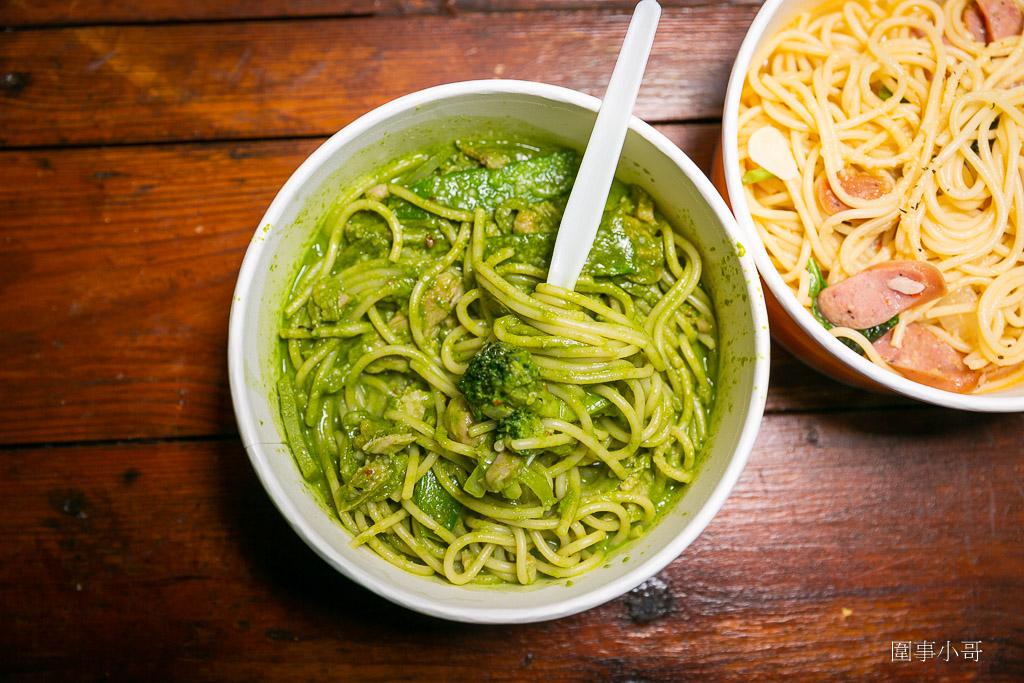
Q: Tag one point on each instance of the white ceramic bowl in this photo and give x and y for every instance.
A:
(418, 121)
(792, 324)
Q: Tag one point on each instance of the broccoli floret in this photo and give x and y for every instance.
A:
(520, 424)
(499, 379)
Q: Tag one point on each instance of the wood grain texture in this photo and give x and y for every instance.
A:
(61, 13)
(117, 269)
(915, 525)
(306, 78)
(116, 272)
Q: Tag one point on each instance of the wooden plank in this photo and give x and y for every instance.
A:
(915, 527)
(61, 13)
(277, 79)
(58, 12)
(117, 267)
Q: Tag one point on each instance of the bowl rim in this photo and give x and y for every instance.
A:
(987, 403)
(653, 562)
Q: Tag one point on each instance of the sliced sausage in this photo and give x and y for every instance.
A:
(876, 294)
(925, 358)
(828, 200)
(1002, 18)
(975, 23)
(859, 185)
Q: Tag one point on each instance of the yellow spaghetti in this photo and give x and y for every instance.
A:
(462, 417)
(905, 121)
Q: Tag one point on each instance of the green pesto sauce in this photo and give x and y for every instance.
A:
(625, 252)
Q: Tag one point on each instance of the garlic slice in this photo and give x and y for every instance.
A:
(769, 149)
(905, 285)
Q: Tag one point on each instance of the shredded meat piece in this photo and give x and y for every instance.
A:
(378, 192)
(441, 298)
(503, 470)
(458, 419)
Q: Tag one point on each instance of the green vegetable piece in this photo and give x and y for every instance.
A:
(474, 485)
(399, 465)
(433, 162)
(644, 249)
(616, 248)
(535, 478)
(593, 403)
(533, 179)
(531, 248)
(434, 500)
(814, 287)
(884, 93)
(513, 491)
(623, 244)
(294, 430)
(367, 225)
(347, 461)
(499, 379)
(520, 424)
(335, 381)
(873, 333)
(556, 408)
(756, 175)
(614, 251)
(569, 503)
(365, 249)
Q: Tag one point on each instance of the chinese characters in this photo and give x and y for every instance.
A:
(908, 650)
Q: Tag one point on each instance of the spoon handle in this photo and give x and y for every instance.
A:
(586, 203)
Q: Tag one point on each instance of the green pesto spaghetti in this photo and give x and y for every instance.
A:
(461, 416)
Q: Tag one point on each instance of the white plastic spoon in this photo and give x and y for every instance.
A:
(586, 203)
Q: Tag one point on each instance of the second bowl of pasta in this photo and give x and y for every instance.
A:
(444, 427)
(872, 150)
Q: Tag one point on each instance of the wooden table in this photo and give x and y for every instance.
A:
(142, 141)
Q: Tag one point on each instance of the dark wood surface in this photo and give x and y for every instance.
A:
(140, 142)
